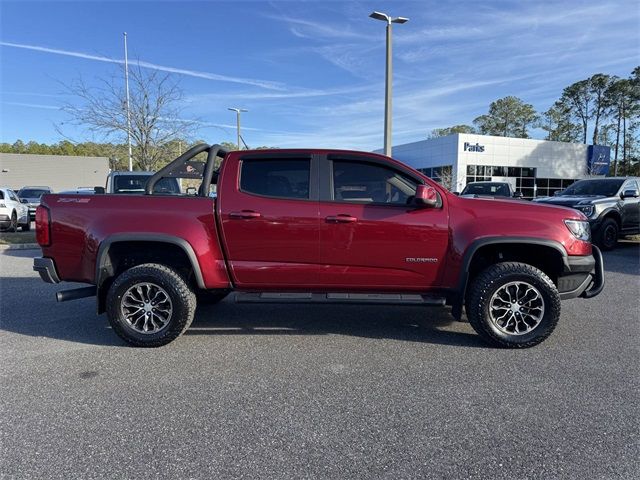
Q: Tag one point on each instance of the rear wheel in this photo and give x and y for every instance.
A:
(513, 305)
(150, 305)
(607, 237)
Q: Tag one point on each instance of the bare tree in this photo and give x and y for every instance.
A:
(155, 106)
(445, 177)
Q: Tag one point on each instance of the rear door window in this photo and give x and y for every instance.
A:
(278, 178)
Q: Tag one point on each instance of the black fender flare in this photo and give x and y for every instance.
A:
(102, 271)
(471, 250)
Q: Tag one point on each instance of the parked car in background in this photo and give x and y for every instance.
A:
(490, 190)
(32, 196)
(135, 183)
(13, 213)
(612, 206)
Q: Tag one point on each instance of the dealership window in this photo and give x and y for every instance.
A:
(276, 178)
(442, 174)
(364, 182)
(525, 176)
(546, 187)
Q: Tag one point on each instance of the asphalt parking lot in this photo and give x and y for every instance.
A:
(276, 391)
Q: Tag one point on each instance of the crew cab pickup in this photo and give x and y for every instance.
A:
(323, 226)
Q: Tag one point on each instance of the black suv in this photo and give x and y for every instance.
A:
(612, 206)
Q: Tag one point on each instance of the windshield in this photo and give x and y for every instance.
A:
(494, 189)
(607, 188)
(136, 184)
(32, 193)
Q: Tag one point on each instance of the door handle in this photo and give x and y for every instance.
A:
(244, 215)
(342, 218)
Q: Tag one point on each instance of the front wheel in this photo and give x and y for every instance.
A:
(513, 305)
(607, 237)
(13, 226)
(150, 305)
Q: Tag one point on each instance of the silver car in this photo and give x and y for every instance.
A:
(31, 197)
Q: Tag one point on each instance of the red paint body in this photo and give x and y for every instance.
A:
(250, 242)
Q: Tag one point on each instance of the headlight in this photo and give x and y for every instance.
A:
(579, 229)
(586, 209)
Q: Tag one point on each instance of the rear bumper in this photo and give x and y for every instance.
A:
(582, 276)
(47, 269)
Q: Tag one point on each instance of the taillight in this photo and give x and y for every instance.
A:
(43, 226)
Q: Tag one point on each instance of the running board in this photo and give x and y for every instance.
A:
(348, 298)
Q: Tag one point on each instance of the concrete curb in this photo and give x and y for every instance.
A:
(20, 246)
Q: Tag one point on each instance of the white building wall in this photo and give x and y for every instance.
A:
(56, 171)
(552, 159)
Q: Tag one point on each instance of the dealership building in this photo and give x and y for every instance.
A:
(537, 168)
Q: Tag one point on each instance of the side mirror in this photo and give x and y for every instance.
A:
(426, 197)
(191, 190)
(456, 193)
(630, 194)
(556, 193)
(98, 190)
(24, 200)
(518, 194)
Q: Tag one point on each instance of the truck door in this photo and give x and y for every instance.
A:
(371, 238)
(630, 208)
(269, 214)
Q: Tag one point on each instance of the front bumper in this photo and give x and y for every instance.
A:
(46, 267)
(582, 276)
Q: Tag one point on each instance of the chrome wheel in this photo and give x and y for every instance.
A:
(146, 308)
(516, 308)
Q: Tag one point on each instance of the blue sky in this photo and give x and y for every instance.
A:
(311, 73)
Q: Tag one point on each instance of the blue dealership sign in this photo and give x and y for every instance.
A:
(598, 159)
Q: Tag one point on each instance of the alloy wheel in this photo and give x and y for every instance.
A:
(146, 308)
(516, 308)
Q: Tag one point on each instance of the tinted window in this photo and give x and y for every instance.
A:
(276, 178)
(137, 183)
(607, 188)
(1, 195)
(629, 185)
(32, 192)
(370, 183)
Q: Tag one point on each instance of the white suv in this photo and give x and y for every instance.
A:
(13, 213)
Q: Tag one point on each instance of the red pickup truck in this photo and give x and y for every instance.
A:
(315, 226)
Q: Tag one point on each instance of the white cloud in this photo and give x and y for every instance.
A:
(164, 68)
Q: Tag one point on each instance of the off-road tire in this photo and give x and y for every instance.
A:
(492, 279)
(608, 233)
(182, 298)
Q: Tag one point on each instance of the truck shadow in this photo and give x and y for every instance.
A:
(406, 323)
(28, 307)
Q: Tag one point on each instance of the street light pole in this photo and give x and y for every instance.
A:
(238, 111)
(388, 78)
(126, 83)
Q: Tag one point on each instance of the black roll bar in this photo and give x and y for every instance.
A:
(167, 171)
